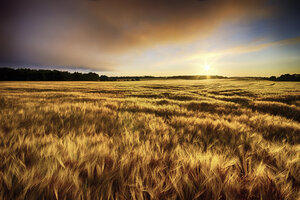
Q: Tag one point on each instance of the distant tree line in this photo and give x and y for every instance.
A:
(9, 74)
(286, 77)
(193, 77)
(197, 77)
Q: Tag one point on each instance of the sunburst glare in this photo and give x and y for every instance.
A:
(207, 68)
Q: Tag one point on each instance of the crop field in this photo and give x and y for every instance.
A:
(164, 139)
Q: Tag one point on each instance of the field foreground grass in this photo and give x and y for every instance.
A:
(205, 139)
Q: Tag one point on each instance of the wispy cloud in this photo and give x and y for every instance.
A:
(210, 57)
(258, 47)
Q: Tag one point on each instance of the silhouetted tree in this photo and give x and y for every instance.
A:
(104, 78)
(286, 77)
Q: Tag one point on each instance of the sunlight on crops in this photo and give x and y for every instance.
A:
(206, 139)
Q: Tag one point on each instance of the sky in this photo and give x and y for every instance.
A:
(152, 37)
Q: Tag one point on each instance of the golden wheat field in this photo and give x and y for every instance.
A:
(175, 139)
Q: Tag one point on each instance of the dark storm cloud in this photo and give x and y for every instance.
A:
(93, 33)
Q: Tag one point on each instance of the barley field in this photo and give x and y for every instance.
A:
(164, 139)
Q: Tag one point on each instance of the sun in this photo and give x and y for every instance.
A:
(206, 68)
